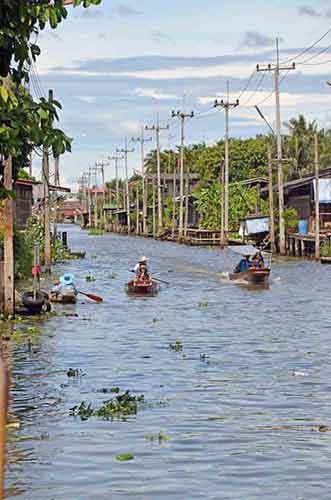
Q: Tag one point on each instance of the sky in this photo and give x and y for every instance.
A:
(114, 67)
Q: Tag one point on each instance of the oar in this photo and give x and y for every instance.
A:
(161, 281)
(153, 278)
(91, 296)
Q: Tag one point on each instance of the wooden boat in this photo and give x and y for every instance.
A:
(143, 287)
(68, 297)
(254, 275)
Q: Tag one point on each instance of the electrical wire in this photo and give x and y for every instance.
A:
(259, 83)
(247, 84)
(304, 51)
(270, 94)
(325, 49)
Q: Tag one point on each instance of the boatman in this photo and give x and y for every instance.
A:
(243, 265)
(142, 269)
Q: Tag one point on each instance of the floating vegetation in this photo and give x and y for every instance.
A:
(156, 320)
(120, 406)
(203, 304)
(113, 276)
(75, 372)
(94, 231)
(125, 457)
(114, 390)
(177, 346)
(324, 428)
(204, 357)
(90, 278)
(161, 437)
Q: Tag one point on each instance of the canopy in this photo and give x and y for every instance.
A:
(243, 249)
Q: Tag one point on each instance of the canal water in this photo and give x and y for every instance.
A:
(238, 409)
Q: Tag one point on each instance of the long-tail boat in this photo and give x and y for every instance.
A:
(253, 275)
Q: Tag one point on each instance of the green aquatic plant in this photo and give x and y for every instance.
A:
(75, 372)
(95, 232)
(203, 304)
(161, 437)
(122, 405)
(90, 278)
(177, 346)
(125, 457)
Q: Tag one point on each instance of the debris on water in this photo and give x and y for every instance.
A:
(160, 437)
(75, 372)
(90, 278)
(177, 346)
(105, 390)
(156, 320)
(13, 425)
(120, 406)
(113, 276)
(125, 457)
(299, 374)
(324, 428)
(204, 356)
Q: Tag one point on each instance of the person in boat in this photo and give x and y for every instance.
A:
(243, 265)
(257, 260)
(142, 269)
(65, 285)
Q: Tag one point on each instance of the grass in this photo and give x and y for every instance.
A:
(96, 232)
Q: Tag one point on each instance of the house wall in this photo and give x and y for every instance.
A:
(22, 205)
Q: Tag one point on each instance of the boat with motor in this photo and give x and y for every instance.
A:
(254, 274)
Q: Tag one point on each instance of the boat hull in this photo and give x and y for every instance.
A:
(255, 276)
(67, 298)
(139, 287)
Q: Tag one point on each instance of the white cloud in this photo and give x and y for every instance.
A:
(89, 99)
(154, 94)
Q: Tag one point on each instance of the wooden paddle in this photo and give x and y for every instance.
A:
(91, 296)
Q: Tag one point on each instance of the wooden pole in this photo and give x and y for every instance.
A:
(271, 204)
(57, 183)
(95, 198)
(317, 200)
(89, 199)
(9, 279)
(187, 189)
(181, 181)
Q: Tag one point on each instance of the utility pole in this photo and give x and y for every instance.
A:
(137, 209)
(276, 72)
(142, 141)
(116, 159)
(125, 151)
(47, 225)
(222, 239)
(101, 165)
(89, 197)
(156, 128)
(182, 116)
(317, 200)
(271, 203)
(154, 211)
(227, 106)
(174, 189)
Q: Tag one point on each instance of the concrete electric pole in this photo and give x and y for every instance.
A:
(142, 141)
(276, 72)
(125, 152)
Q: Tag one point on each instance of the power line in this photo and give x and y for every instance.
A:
(325, 49)
(259, 83)
(304, 51)
(247, 84)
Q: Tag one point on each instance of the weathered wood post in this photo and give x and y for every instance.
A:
(317, 201)
(174, 202)
(154, 210)
(8, 272)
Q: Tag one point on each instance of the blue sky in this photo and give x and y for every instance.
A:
(115, 66)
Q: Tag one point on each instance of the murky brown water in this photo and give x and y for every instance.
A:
(240, 421)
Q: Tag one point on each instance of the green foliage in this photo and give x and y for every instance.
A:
(291, 219)
(24, 123)
(125, 457)
(94, 231)
(120, 406)
(326, 248)
(177, 346)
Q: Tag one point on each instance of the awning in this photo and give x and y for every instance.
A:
(324, 190)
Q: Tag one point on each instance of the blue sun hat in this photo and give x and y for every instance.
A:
(67, 279)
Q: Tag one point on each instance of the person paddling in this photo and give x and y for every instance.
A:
(142, 269)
